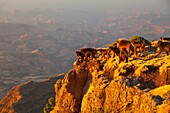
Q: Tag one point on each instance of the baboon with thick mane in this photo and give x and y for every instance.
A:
(104, 52)
(123, 43)
(161, 46)
(115, 51)
(89, 53)
(80, 56)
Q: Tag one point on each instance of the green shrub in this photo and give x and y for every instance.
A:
(139, 39)
(49, 105)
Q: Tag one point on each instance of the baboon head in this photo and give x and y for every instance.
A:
(154, 43)
(80, 56)
(161, 38)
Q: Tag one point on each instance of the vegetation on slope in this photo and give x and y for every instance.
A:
(49, 105)
(139, 39)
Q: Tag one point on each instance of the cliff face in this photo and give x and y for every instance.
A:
(30, 97)
(137, 86)
(70, 91)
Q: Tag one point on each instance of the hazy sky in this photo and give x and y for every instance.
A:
(92, 5)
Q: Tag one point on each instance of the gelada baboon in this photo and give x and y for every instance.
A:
(80, 56)
(104, 52)
(123, 55)
(115, 50)
(137, 45)
(123, 43)
(154, 43)
(161, 46)
(165, 39)
(89, 53)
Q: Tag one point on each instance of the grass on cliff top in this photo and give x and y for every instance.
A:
(163, 91)
(142, 64)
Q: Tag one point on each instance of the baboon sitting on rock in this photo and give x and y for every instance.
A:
(89, 53)
(161, 46)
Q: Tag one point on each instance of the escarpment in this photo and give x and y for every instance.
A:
(100, 83)
(139, 86)
(30, 97)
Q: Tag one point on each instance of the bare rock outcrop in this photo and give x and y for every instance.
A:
(139, 86)
(29, 97)
(119, 97)
(69, 91)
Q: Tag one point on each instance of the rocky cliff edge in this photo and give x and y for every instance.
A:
(139, 86)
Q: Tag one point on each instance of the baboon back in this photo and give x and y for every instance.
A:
(165, 39)
(163, 46)
(121, 43)
(84, 50)
(89, 53)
